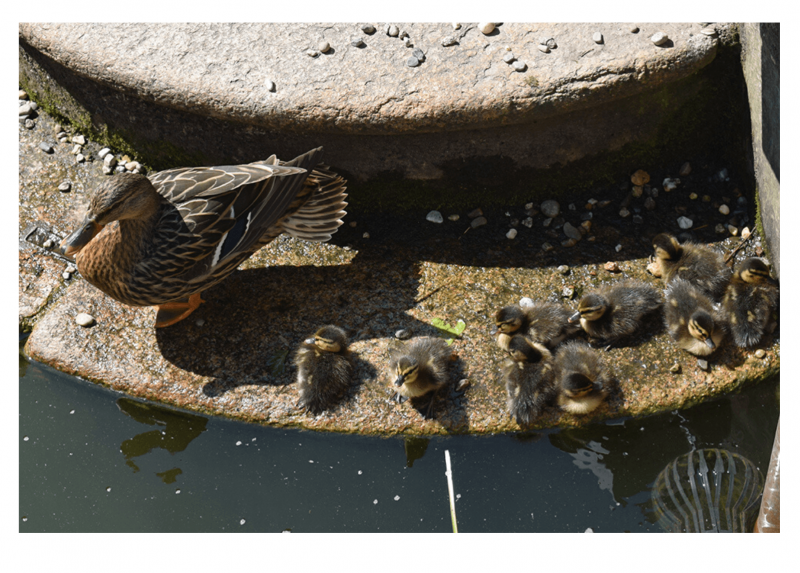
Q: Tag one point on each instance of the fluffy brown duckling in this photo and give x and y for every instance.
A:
(582, 378)
(324, 369)
(704, 268)
(544, 322)
(615, 312)
(528, 375)
(691, 320)
(749, 301)
(420, 367)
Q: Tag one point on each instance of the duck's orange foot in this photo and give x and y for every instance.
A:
(171, 312)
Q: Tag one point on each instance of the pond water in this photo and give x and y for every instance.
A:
(93, 460)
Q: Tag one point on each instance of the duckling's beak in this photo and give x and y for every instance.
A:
(710, 343)
(311, 340)
(400, 380)
(81, 237)
(575, 317)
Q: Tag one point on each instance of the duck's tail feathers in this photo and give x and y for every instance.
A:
(322, 214)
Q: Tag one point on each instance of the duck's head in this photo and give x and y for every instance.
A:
(755, 271)
(701, 326)
(407, 369)
(666, 247)
(576, 385)
(508, 319)
(523, 350)
(124, 196)
(591, 307)
(330, 339)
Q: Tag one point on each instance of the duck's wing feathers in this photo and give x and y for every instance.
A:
(322, 214)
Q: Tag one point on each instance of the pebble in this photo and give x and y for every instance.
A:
(323, 47)
(703, 364)
(434, 217)
(70, 268)
(550, 208)
(419, 54)
(675, 368)
(30, 124)
(670, 184)
(637, 190)
(760, 353)
(46, 147)
(393, 31)
(640, 177)
(568, 292)
(508, 57)
(368, 29)
(365, 236)
(412, 62)
(618, 248)
(448, 41)
(80, 158)
(724, 209)
(407, 42)
(110, 160)
(611, 267)
(312, 53)
(528, 222)
(201, 322)
(693, 196)
(563, 269)
(103, 152)
(23, 94)
(107, 169)
(569, 243)
(546, 247)
(526, 301)
(546, 222)
(486, 27)
(25, 109)
(659, 38)
(79, 139)
(649, 204)
(353, 223)
(478, 222)
(270, 85)
(76, 149)
(543, 48)
(132, 165)
(357, 42)
(634, 29)
(572, 232)
(549, 42)
(512, 233)
(719, 229)
(83, 319)
(733, 230)
(456, 26)
(597, 37)
(709, 31)
(624, 212)
(65, 186)
(48, 244)
(462, 385)
(685, 222)
(589, 530)
(686, 168)
(475, 213)
(454, 217)
(519, 66)
(723, 175)
(402, 334)
(745, 232)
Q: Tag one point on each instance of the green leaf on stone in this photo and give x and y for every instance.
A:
(446, 329)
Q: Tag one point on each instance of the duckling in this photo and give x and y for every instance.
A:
(528, 374)
(582, 379)
(324, 369)
(615, 312)
(545, 323)
(691, 320)
(749, 301)
(697, 264)
(421, 367)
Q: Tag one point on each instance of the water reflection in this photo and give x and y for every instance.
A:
(415, 448)
(179, 429)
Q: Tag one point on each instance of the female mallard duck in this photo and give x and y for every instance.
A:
(750, 301)
(528, 375)
(582, 378)
(161, 240)
(420, 367)
(697, 264)
(615, 312)
(324, 369)
(544, 322)
(691, 320)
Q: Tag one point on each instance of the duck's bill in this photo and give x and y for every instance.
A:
(575, 318)
(80, 237)
(399, 381)
(710, 343)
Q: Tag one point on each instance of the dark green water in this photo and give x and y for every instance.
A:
(92, 460)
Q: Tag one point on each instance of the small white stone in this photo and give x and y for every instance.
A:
(508, 57)
(393, 31)
(84, 319)
(528, 222)
(597, 37)
(448, 41)
(589, 530)
(693, 196)
(454, 217)
(618, 248)
(434, 217)
(512, 233)
(685, 222)
(624, 212)
(670, 183)
(528, 206)
(709, 31)
(456, 26)
(659, 38)
(131, 165)
(23, 94)
(760, 353)
(76, 149)
(550, 208)
(543, 48)
(486, 27)
(107, 170)
(79, 139)
(270, 85)
(724, 209)
(733, 230)
(745, 232)
(525, 301)
(80, 158)
(103, 152)
(519, 66)
(312, 53)
(48, 244)
(110, 160)
(323, 47)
